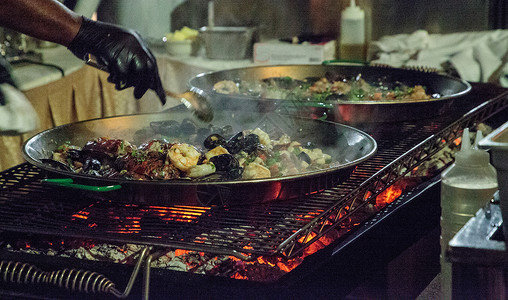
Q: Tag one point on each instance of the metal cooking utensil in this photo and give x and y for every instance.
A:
(193, 101)
(196, 103)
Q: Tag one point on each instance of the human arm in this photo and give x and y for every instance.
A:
(43, 19)
(121, 51)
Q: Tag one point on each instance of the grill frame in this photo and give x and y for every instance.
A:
(334, 270)
(272, 229)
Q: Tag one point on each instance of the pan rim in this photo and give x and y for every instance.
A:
(187, 182)
(467, 87)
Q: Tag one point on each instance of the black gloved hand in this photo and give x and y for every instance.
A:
(122, 53)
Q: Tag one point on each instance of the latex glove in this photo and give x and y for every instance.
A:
(122, 53)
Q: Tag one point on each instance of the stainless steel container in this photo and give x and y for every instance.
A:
(13, 43)
(227, 43)
(497, 142)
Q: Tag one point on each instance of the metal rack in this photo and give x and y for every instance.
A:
(441, 135)
(282, 228)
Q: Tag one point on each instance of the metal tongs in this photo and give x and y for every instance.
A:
(193, 101)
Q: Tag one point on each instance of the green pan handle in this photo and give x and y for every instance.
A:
(68, 182)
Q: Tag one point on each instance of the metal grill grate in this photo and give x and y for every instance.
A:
(278, 228)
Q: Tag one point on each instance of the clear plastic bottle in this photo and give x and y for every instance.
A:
(466, 186)
(352, 44)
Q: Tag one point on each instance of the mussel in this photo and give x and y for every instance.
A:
(120, 163)
(224, 162)
(74, 154)
(235, 173)
(251, 143)
(214, 140)
(91, 166)
(305, 157)
(236, 143)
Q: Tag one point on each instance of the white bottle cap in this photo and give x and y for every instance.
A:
(471, 156)
(352, 28)
(353, 11)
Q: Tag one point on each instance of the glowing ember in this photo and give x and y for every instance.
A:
(129, 217)
(388, 196)
(395, 190)
(179, 252)
(307, 238)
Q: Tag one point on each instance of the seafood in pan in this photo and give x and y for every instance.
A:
(332, 86)
(198, 154)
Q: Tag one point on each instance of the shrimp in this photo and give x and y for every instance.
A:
(227, 87)
(183, 156)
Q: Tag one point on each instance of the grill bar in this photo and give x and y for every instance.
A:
(283, 228)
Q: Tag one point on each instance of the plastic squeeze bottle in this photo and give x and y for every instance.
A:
(466, 186)
(352, 44)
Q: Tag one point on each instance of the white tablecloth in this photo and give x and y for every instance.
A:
(84, 93)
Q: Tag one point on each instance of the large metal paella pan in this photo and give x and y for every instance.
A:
(346, 145)
(445, 90)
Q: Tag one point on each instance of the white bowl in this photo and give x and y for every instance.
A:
(181, 48)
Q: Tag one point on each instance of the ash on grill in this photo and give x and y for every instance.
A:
(180, 260)
(261, 269)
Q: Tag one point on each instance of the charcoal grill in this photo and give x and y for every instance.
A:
(282, 229)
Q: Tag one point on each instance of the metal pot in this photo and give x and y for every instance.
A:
(219, 40)
(348, 147)
(449, 88)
